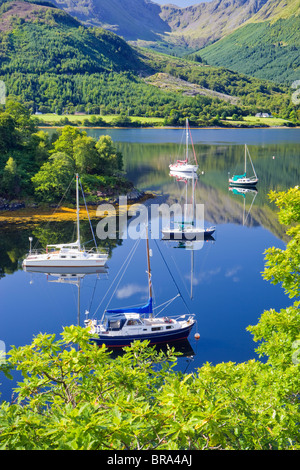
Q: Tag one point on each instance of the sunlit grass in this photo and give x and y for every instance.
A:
(253, 120)
(53, 119)
(79, 118)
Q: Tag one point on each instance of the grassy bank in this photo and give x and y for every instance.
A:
(259, 121)
(79, 120)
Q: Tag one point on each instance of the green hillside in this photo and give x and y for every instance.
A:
(52, 63)
(38, 38)
(264, 48)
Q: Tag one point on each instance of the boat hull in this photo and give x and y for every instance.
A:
(243, 184)
(154, 338)
(63, 271)
(182, 168)
(65, 263)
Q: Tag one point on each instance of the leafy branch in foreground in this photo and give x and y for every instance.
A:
(283, 266)
(82, 398)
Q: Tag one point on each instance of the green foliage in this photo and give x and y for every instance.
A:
(52, 180)
(111, 159)
(8, 132)
(282, 266)
(110, 399)
(253, 93)
(22, 150)
(74, 395)
(278, 333)
(32, 163)
(10, 179)
(75, 152)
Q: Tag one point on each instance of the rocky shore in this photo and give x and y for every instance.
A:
(18, 213)
(5, 205)
(134, 195)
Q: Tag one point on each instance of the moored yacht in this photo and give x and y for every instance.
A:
(185, 166)
(120, 327)
(68, 255)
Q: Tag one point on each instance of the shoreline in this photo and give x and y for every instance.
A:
(37, 215)
(174, 128)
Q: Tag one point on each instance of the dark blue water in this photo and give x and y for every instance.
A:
(221, 282)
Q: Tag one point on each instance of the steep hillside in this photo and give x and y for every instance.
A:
(53, 63)
(48, 40)
(165, 27)
(206, 22)
(131, 19)
(266, 46)
(276, 9)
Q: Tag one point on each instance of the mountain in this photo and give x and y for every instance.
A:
(255, 37)
(38, 37)
(131, 19)
(206, 22)
(266, 46)
(161, 25)
(53, 63)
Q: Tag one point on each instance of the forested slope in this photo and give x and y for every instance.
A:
(52, 63)
(268, 46)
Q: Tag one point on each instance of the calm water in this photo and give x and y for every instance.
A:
(221, 282)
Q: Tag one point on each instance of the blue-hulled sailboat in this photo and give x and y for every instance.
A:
(120, 327)
(244, 180)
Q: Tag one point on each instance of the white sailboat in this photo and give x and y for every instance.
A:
(184, 165)
(120, 327)
(66, 255)
(244, 180)
(188, 229)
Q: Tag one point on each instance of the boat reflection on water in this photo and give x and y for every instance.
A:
(69, 276)
(188, 229)
(236, 191)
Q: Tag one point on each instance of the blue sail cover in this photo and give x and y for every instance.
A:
(237, 177)
(142, 310)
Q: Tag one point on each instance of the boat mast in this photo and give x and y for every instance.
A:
(193, 202)
(149, 268)
(252, 164)
(245, 158)
(187, 140)
(77, 211)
